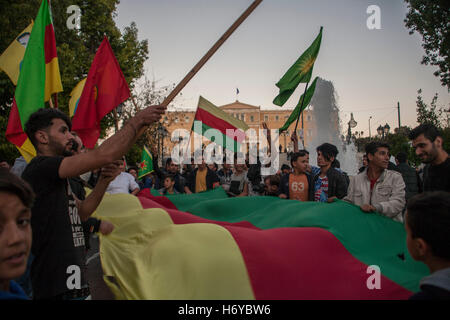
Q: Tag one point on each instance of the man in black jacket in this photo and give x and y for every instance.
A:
(409, 175)
(428, 143)
(329, 183)
(170, 169)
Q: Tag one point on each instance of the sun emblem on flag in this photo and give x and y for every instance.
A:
(306, 65)
(143, 165)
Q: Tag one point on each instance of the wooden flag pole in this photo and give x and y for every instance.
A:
(209, 54)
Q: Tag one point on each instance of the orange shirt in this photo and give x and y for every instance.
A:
(298, 187)
(200, 181)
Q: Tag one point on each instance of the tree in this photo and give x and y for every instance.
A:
(430, 18)
(431, 114)
(75, 48)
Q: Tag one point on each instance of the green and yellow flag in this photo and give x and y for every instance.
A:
(12, 57)
(300, 106)
(146, 165)
(300, 72)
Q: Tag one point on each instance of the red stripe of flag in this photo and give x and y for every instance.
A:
(219, 124)
(49, 44)
(14, 130)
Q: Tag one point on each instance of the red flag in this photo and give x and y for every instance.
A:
(104, 90)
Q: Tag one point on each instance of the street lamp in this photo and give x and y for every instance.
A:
(380, 131)
(369, 126)
(162, 133)
(386, 129)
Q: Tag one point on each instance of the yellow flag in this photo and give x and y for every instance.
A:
(12, 57)
(75, 97)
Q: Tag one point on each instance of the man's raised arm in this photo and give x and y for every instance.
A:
(114, 147)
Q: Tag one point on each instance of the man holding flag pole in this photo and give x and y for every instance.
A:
(58, 244)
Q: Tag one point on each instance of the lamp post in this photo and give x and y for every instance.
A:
(383, 131)
(369, 126)
(351, 124)
(162, 133)
(380, 131)
(386, 129)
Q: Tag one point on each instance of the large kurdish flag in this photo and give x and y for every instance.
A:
(39, 78)
(209, 246)
(218, 126)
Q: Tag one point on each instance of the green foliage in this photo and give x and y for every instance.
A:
(429, 114)
(430, 18)
(75, 48)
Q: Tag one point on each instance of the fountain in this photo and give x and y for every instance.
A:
(328, 127)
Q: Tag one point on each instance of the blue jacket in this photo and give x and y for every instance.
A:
(15, 293)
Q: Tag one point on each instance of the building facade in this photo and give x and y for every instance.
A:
(253, 116)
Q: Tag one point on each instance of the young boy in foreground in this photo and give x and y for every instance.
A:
(427, 224)
(16, 199)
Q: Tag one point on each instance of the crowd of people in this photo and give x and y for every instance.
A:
(48, 197)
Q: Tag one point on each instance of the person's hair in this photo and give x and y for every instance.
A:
(133, 168)
(428, 217)
(168, 161)
(306, 151)
(336, 164)
(285, 166)
(11, 183)
(373, 146)
(328, 150)
(428, 130)
(170, 176)
(274, 180)
(42, 119)
(295, 156)
(401, 157)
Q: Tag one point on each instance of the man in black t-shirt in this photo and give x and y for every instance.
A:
(58, 246)
(428, 143)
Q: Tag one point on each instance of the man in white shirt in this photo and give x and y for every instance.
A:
(123, 183)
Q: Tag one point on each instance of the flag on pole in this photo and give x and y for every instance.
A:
(146, 165)
(104, 90)
(75, 96)
(218, 126)
(300, 72)
(237, 90)
(39, 78)
(12, 57)
(299, 109)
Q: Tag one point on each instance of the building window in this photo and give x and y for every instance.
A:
(308, 118)
(266, 118)
(242, 117)
(186, 119)
(277, 118)
(309, 132)
(252, 118)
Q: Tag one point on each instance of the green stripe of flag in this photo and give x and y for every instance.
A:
(30, 89)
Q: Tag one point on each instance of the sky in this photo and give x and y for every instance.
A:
(371, 70)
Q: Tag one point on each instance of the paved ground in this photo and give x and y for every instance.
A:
(99, 289)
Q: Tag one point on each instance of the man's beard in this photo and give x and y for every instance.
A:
(59, 149)
(430, 157)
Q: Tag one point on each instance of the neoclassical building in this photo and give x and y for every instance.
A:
(253, 116)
